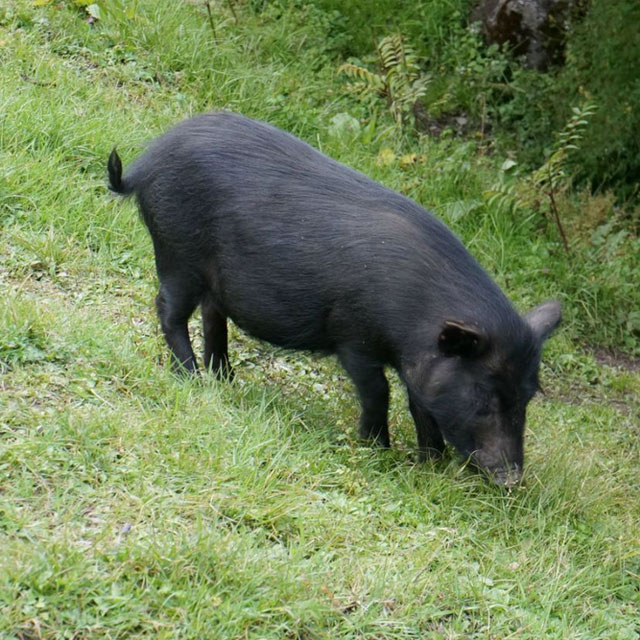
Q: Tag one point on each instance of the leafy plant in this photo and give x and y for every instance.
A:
(553, 173)
(549, 179)
(601, 65)
(399, 80)
(506, 197)
(117, 10)
(552, 176)
(476, 75)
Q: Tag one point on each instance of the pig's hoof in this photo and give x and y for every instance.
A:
(429, 454)
(375, 436)
(378, 441)
(226, 374)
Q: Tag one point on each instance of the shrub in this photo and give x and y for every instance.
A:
(603, 54)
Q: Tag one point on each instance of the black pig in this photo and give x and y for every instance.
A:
(253, 224)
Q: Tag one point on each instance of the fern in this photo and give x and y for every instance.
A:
(505, 198)
(549, 178)
(368, 81)
(399, 80)
(552, 175)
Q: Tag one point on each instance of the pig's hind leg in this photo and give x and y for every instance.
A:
(178, 297)
(214, 326)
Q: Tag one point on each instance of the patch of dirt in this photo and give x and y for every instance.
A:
(616, 359)
(625, 401)
(578, 396)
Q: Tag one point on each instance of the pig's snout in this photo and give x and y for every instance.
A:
(509, 477)
(498, 469)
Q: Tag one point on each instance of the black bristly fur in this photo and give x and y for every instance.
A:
(255, 225)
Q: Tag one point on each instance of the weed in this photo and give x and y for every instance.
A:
(399, 81)
(552, 175)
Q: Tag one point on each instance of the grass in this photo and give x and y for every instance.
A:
(134, 504)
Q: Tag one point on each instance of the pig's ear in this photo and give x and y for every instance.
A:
(459, 339)
(544, 319)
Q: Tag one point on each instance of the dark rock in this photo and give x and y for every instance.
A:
(535, 29)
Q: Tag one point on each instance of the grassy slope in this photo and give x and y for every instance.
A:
(133, 504)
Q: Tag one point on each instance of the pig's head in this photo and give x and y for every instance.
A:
(477, 384)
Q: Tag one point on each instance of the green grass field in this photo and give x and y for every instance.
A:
(134, 504)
